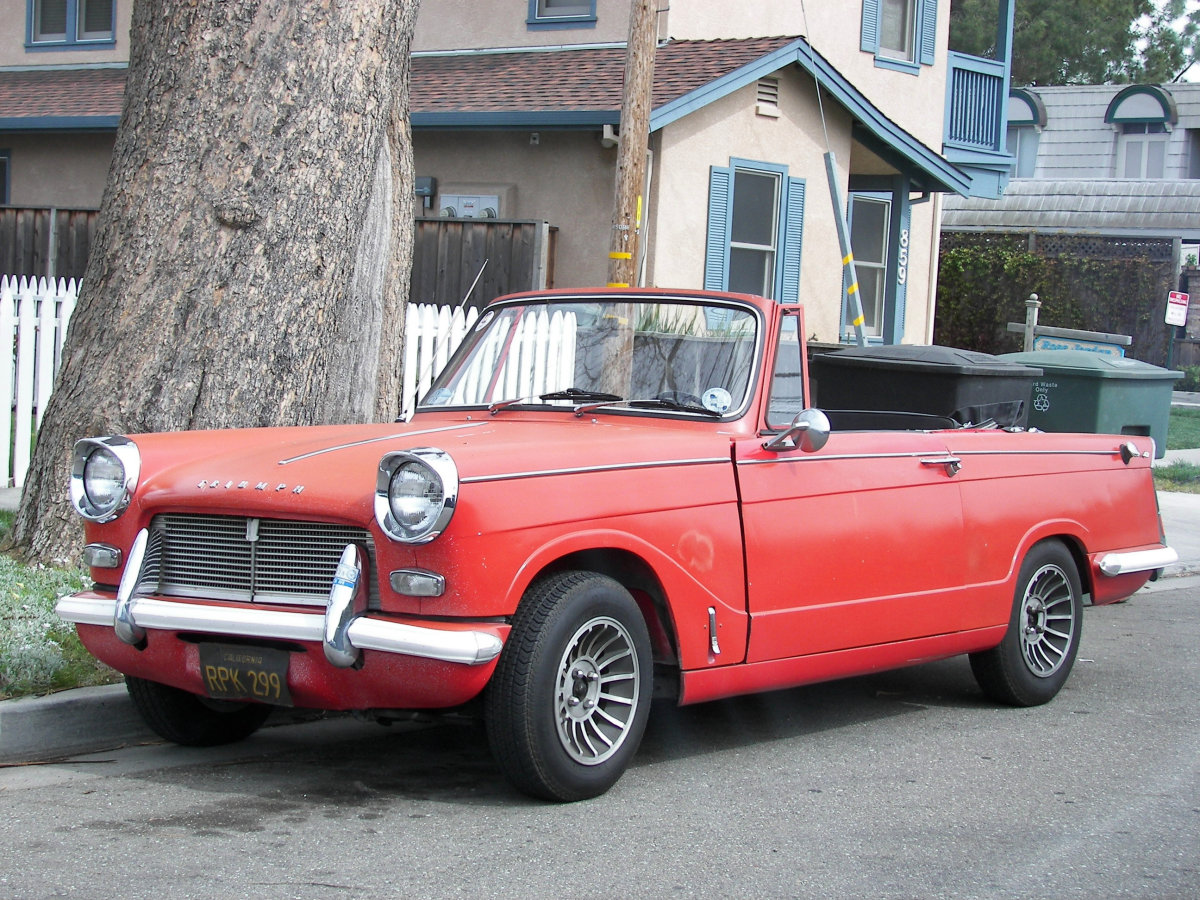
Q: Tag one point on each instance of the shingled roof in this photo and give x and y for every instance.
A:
(533, 88)
(551, 84)
(61, 98)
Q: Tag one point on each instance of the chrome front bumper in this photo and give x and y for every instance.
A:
(343, 629)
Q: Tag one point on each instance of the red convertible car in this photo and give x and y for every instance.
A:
(604, 496)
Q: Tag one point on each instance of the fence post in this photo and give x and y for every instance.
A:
(1032, 305)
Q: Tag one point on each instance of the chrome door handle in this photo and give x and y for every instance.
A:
(952, 464)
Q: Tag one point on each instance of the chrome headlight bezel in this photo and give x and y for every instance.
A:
(439, 472)
(115, 449)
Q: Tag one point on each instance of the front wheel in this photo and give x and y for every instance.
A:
(1033, 661)
(193, 721)
(568, 703)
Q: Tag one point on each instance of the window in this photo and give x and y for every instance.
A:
(68, 23)
(1143, 115)
(870, 228)
(880, 219)
(1023, 145)
(896, 36)
(5, 167)
(1193, 153)
(755, 229)
(902, 34)
(1026, 119)
(1142, 150)
(753, 232)
(562, 14)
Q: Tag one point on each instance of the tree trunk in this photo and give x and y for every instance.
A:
(251, 258)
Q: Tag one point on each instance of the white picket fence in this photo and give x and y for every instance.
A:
(34, 314)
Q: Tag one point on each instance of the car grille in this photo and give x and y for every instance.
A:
(249, 559)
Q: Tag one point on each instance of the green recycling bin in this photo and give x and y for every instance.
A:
(1091, 392)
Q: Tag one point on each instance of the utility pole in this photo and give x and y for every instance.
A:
(634, 144)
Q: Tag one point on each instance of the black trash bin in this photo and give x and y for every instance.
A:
(969, 387)
(1099, 394)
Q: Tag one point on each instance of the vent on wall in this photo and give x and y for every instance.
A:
(469, 206)
(768, 97)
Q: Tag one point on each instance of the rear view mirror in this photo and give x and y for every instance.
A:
(809, 431)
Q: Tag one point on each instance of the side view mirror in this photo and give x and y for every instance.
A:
(809, 431)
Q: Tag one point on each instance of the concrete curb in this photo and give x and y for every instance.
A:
(84, 720)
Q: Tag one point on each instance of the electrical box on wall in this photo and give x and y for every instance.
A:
(469, 206)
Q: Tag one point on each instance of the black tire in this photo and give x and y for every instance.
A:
(1033, 661)
(568, 703)
(193, 721)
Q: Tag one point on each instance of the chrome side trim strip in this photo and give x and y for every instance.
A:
(920, 454)
(1137, 561)
(582, 470)
(467, 647)
(386, 437)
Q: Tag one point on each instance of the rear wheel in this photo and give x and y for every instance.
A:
(568, 703)
(1033, 661)
(184, 718)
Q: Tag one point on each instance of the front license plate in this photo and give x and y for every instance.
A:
(232, 672)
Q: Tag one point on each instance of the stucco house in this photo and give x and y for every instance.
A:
(515, 115)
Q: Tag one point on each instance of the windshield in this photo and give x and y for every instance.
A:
(632, 352)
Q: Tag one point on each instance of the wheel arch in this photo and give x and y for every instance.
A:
(634, 573)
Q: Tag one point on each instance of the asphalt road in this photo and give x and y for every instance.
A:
(903, 784)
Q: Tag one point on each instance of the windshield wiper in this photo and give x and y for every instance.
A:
(661, 403)
(582, 396)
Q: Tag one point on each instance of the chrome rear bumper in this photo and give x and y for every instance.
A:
(1136, 561)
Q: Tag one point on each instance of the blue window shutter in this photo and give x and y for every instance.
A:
(928, 35)
(716, 249)
(870, 26)
(793, 241)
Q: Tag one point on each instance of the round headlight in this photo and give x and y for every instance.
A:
(415, 493)
(104, 472)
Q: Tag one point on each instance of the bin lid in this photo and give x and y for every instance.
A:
(928, 358)
(1085, 364)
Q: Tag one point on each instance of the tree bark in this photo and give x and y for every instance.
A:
(253, 248)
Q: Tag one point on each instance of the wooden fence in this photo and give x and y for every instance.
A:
(45, 243)
(450, 254)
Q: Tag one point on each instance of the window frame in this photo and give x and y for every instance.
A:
(1022, 141)
(897, 191)
(1141, 136)
(788, 228)
(862, 264)
(923, 30)
(71, 39)
(542, 21)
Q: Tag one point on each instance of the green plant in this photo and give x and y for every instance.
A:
(40, 653)
(1179, 476)
(1190, 380)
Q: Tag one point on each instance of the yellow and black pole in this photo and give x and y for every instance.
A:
(849, 276)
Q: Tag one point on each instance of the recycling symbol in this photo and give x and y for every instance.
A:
(1041, 403)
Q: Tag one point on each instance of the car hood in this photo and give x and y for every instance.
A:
(333, 468)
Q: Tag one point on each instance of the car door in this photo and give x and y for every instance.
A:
(857, 544)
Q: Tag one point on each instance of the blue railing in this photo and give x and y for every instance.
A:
(976, 103)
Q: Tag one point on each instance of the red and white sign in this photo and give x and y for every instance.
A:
(1177, 307)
